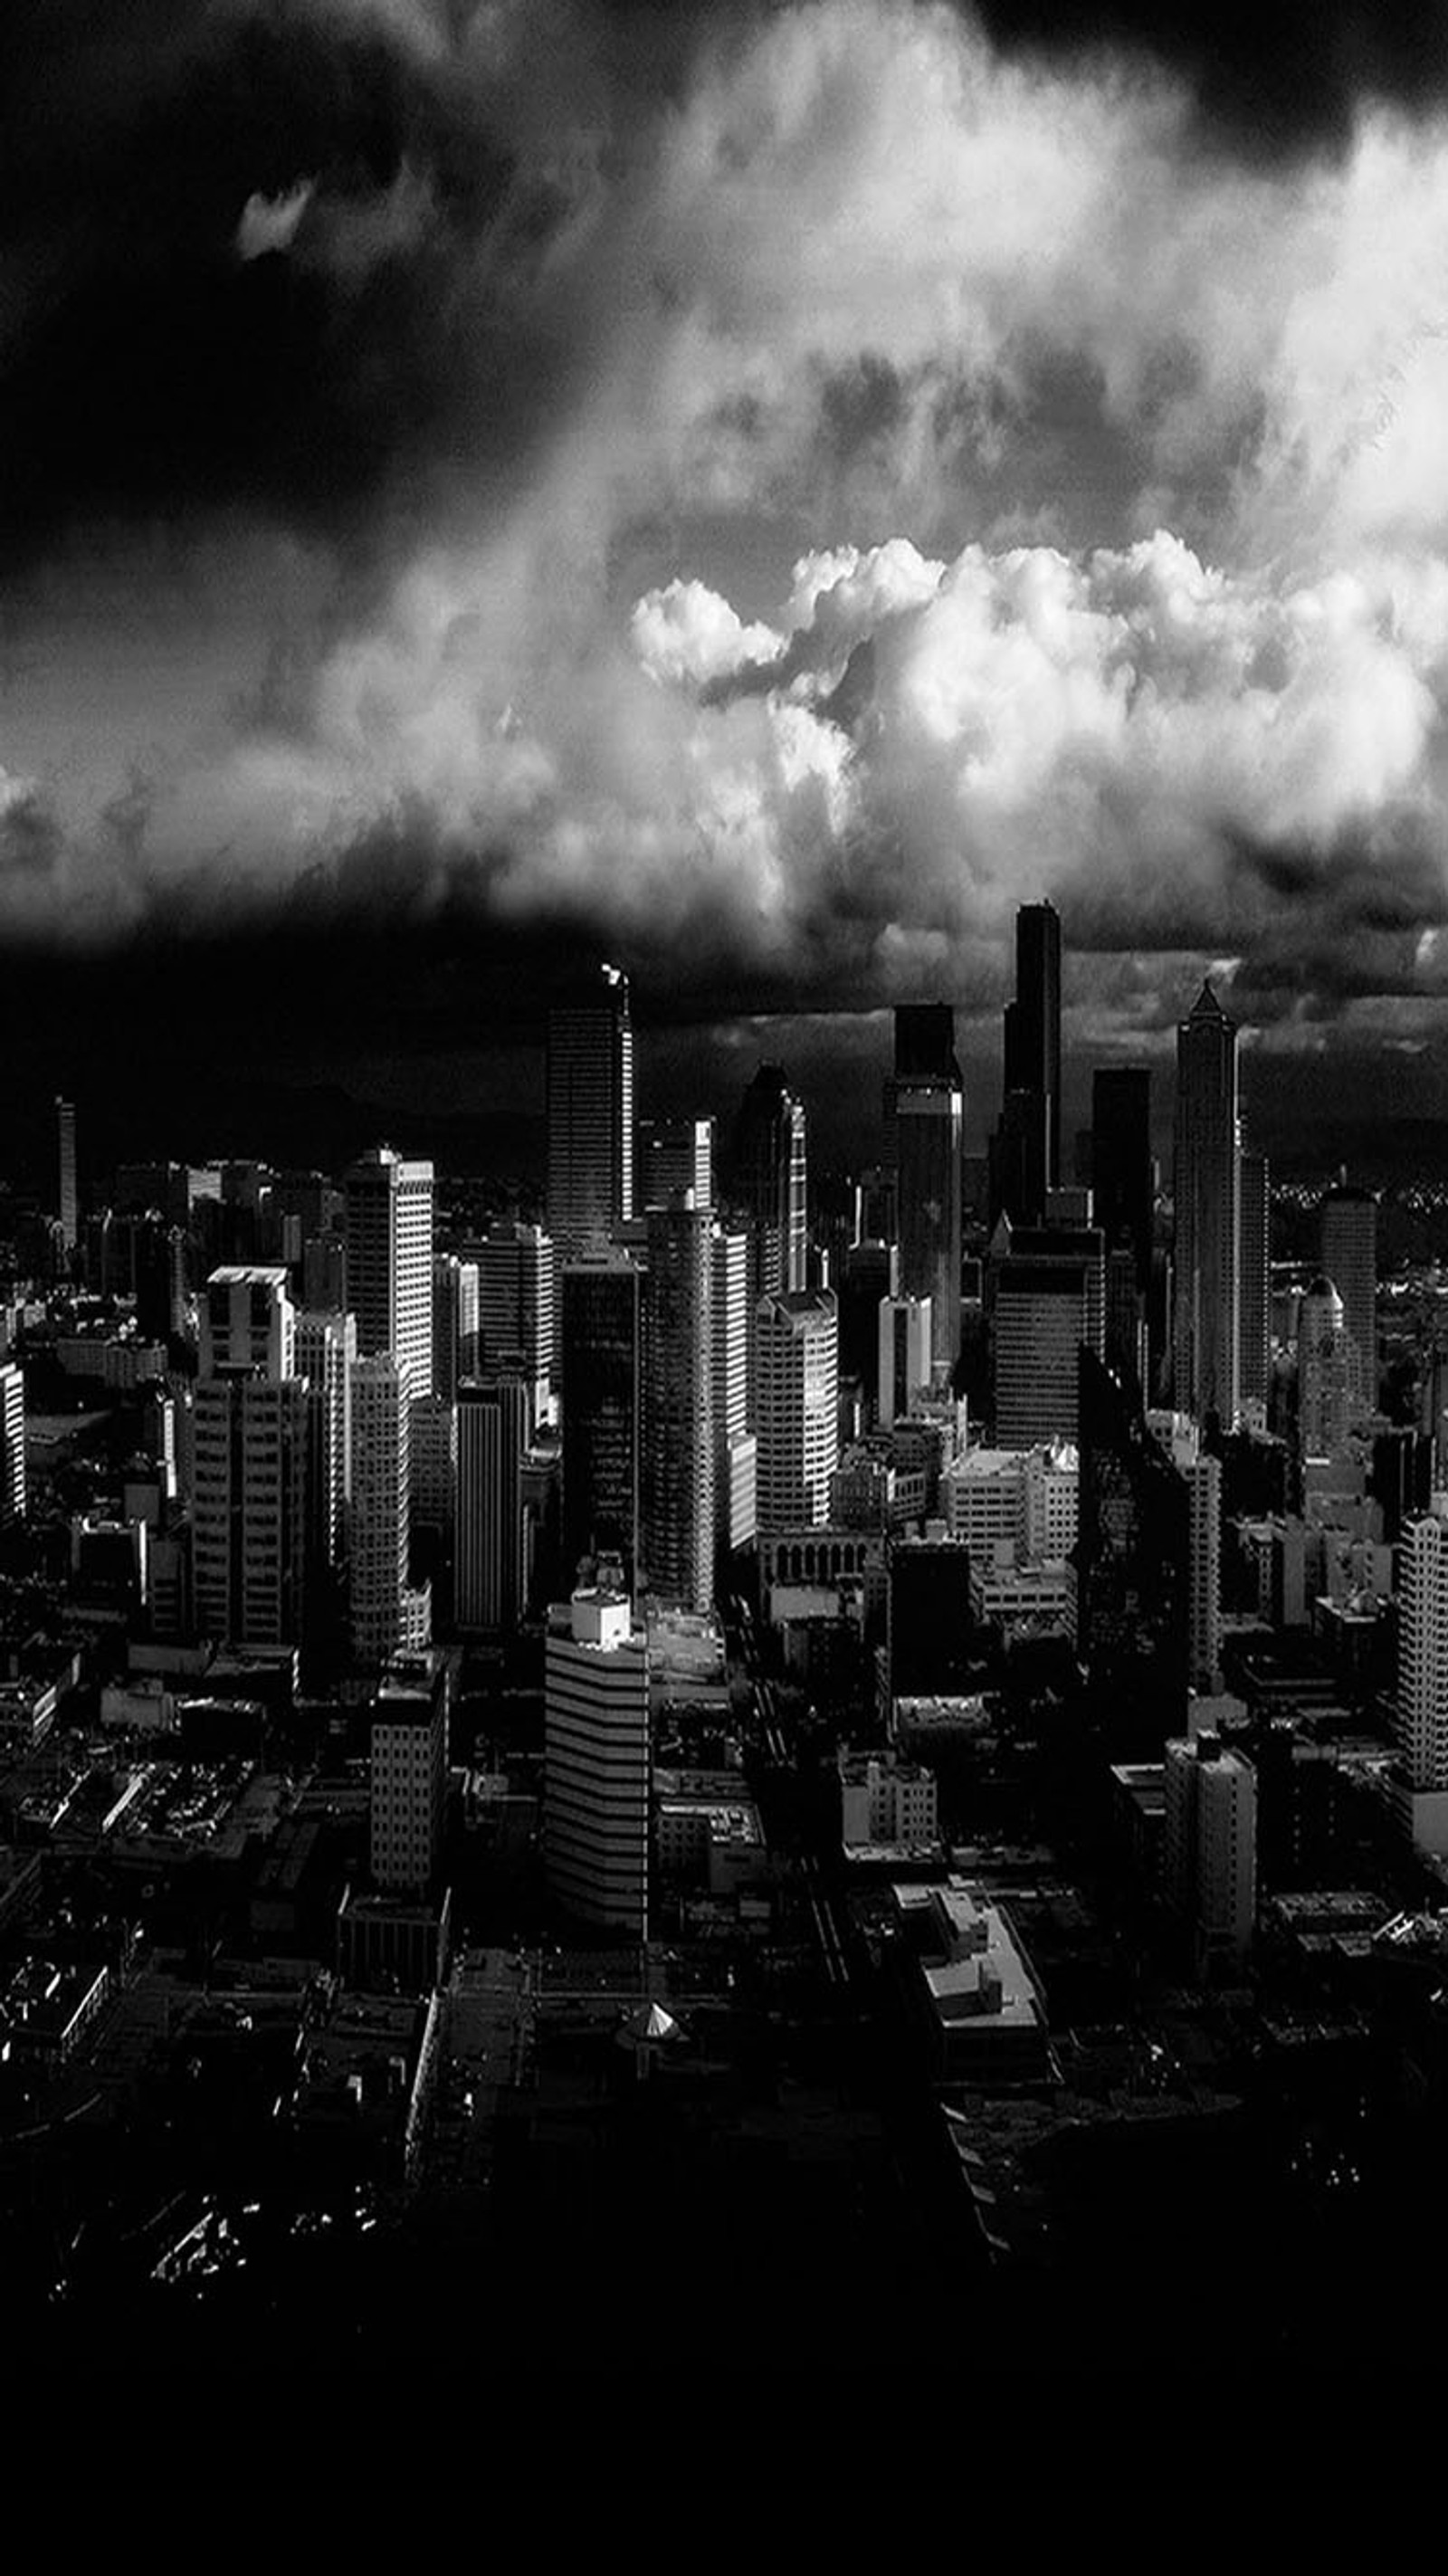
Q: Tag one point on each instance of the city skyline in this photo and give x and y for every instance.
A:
(492, 541)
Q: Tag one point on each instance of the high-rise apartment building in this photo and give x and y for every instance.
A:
(12, 1443)
(1254, 1291)
(1348, 1222)
(590, 1115)
(1423, 1650)
(390, 1262)
(67, 1194)
(250, 1520)
(1206, 1323)
(409, 1751)
(796, 1335)
(490, 1573)
(516, 1309)
(596, 1770)
(454, 1323)
(1048, 1298)
(387, 1618)
(924, 1114)
(601, 1368)
(735, 1447)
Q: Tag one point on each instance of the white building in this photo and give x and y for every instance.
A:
(409, 1774)
(796, 1340)
(596, 1773)
(736, 1462)
(1423, 1672)
(386, 1618)
(390, 1262)
(326, 1355)
(1211, 1847)
(12, 1442)
(1028, 1497)
(887, 1802)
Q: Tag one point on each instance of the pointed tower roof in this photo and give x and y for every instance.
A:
(1206, 1006)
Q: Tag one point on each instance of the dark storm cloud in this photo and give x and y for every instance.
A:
(1280, 80)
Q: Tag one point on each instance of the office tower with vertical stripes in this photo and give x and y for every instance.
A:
(490, 1568)
(1254, 1294)
(601, 1362)
(1207, 1201)
(590, 1114)
(924, 1114)
(454, 1323)
(390, 1262)
(674, 1154)
(67, 1193)
(677, 1538)
(516, 1309)
(12, 1443)
(735, 1446)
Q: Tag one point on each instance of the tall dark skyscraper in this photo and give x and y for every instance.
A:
(678, 1411)
(1026, 1149)
(590, 1115)
(1121, 1176)
(769, 1180)
(1254, 1293)
(1133, 1563)
(1206, 1197)
(67, 1197)
(1035, 1041)
(601, 1367)
(924, 1112)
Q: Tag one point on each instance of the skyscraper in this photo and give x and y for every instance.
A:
(1254, 1303)
(1210, 1859)
(1206, 1197)
(1121, 1171)
(596, 1774)
(1423, 1667)
(68, 1198)
(590, 1114)
(389, 1262)
(678, 1427)
(924, 1111)
(326, 1355)
(1133, 1555)
(1327, 1373)
(1048, 1295)
(735, 1447)
(798, 1434)
(601, 1354)
(904, 1357)
(674, 1154)
(249, 1508)
(12, 1443)
(454, 1322)
(1349, 1251)
(386, 1617)
(516, 1308)
(769, 1180)
(409, 1774)
(490, 1563)
(1035, 1043)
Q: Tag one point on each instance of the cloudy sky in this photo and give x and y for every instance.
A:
(757, 491)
